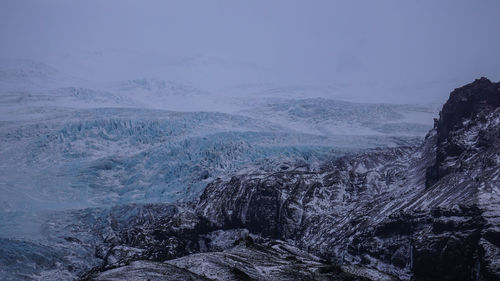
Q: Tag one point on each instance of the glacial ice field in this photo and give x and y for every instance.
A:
(68, 144)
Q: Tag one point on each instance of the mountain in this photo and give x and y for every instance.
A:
(428, 212)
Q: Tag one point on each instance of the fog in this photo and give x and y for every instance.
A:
(375, 51)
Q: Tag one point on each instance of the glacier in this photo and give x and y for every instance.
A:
(73, 147)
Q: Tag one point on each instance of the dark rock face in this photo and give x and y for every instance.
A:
(469, 103)
(259, 211)
(419, 213)
(451, 244)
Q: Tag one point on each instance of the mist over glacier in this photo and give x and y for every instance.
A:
(378, 52)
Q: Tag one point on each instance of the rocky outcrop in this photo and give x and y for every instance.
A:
(465, 107)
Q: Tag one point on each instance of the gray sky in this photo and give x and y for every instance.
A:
(395, 49)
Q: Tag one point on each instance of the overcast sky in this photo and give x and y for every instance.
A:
(407, 44)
